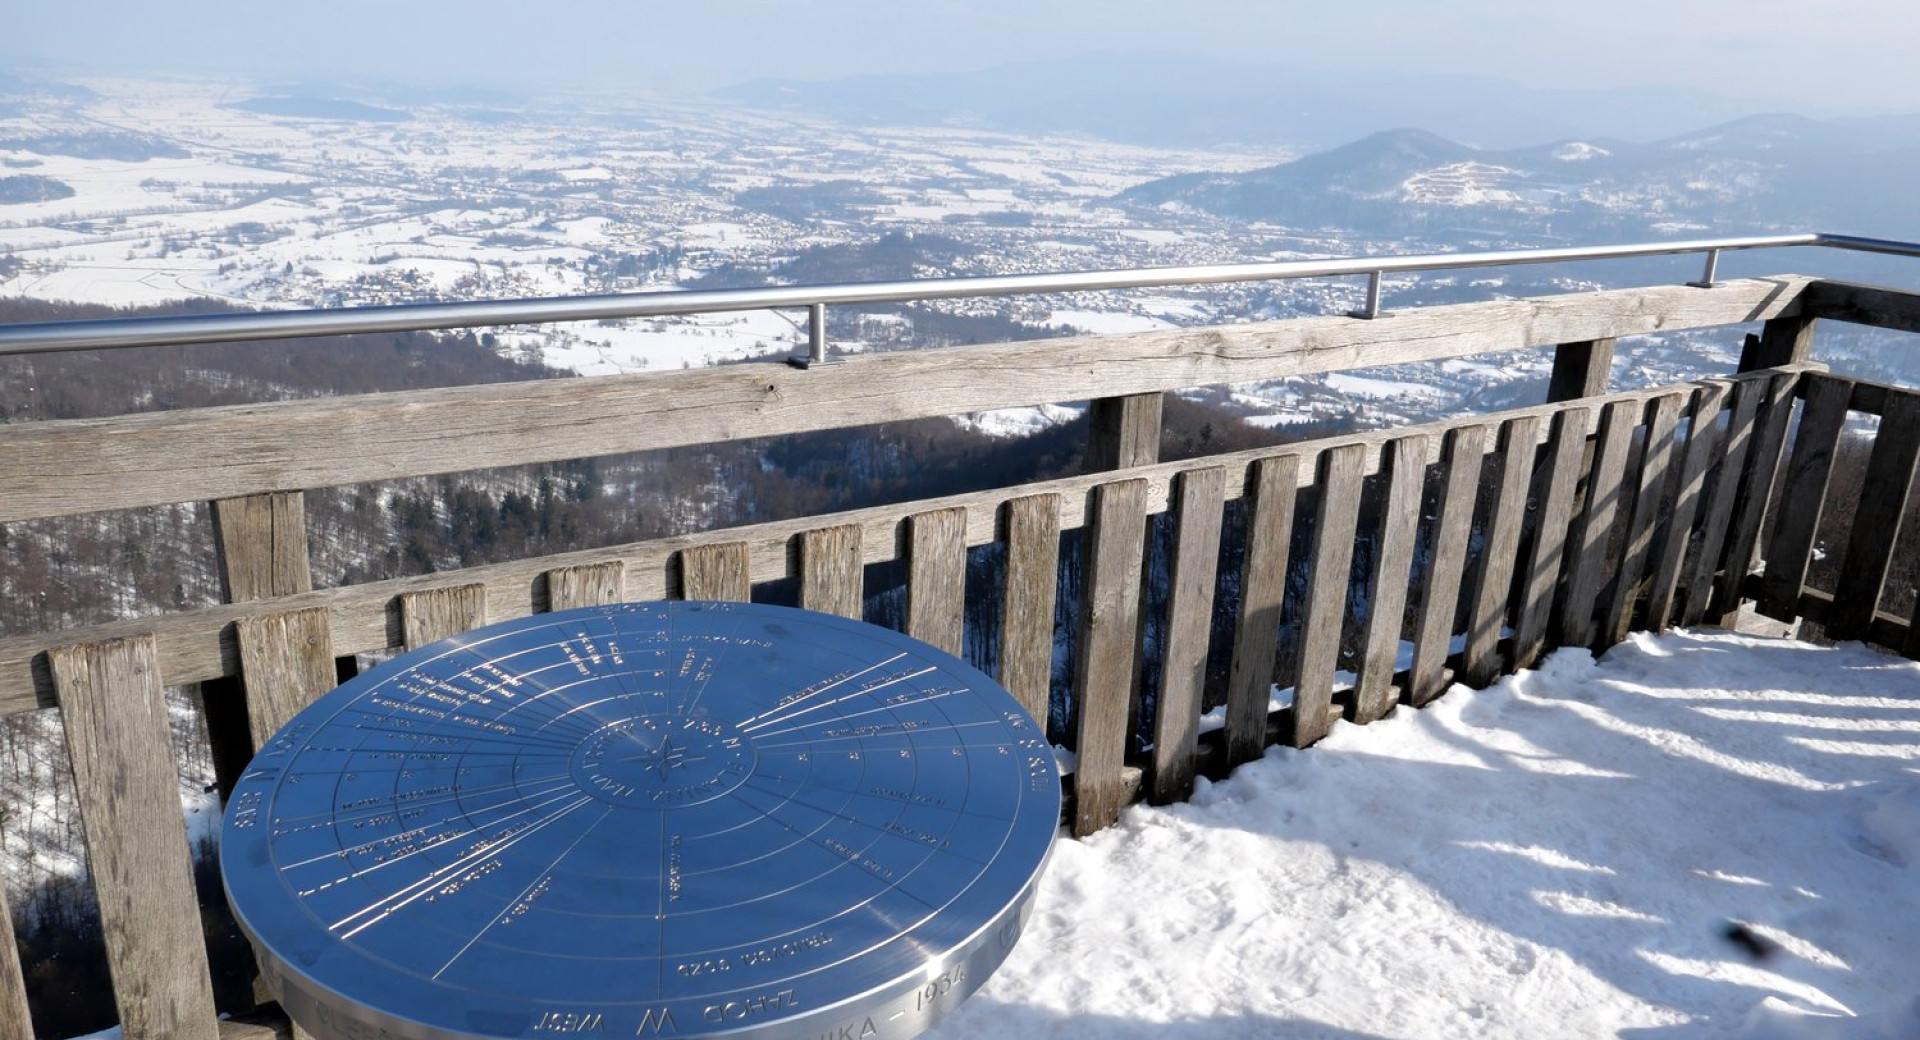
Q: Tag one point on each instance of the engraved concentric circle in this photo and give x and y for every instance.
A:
(643, 820)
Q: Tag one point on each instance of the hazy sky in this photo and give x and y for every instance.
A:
(1827, 53)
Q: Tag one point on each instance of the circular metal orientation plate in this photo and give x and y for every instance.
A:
(645, 820)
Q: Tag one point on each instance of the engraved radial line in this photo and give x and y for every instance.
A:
(544, 873)
(818, 741)
(869, 711)
(437, 823)
(406, 856)
(387, 804)
(862, 692)
(426, 884)
(744, 723)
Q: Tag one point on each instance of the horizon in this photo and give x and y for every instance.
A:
(1733, 52)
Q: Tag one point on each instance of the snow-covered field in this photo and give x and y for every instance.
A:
(1699, 835)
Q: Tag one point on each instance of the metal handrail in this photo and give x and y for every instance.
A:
(115, 333)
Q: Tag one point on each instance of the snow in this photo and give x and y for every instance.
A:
(1565, 854)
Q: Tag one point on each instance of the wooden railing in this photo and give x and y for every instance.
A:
(1595, 514)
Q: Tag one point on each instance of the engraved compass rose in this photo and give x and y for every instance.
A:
(666, 758)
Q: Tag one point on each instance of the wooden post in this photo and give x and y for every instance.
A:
(261, 541)
(586, 585)
(1404, 464)
(430, 616)
(718, 572)
(1324, 614)
(115, 716)
(937, 577)
(1026, 621)
(15, 1019)
(1107, 651)
(1123, 432)
(1197, 508)
(287, 660)
(1463, 453)
(1271, 489)
(1580, 370)
(1783, 341)
(832, 571)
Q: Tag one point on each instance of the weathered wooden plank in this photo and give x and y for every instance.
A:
(1650, 501)
(1863, 305)
(1123, 432)
(1026, 615)
(718, 571)
(430, 616)
(1580, 370)
(1199, 497)
(197, 645)
(1271, 489)
(261, 543)
(287, 662)
(15, 1018)
(1107, 651)
(1593, 529)
(1808, 473)
(1493, 578)
(86, 465)
(1439, 596)
(1784, 340)
(1703, 444)
(832, 576)
(115, 716)
(587, 585)
(1405, 469)
(1716, 525)
(1876, 521)
(937, 576)
(1325, 611)
(1755, 492)
(1540, 572)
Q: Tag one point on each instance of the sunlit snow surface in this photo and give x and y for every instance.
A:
(1563, 855)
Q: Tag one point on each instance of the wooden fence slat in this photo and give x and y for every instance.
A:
(1755, 493)
(1026, 617)
(1109, 638)
(1593, 529)
(1580, 369)
(1405, 466)
(115, 716)
(937, 577)
(431, 615)
(1463, 454)
(1540, 573)
(287, 663)
(1123, 431)
(587, 585)
(832, 575)
(1325, 611)
(1493, 578)
(720, 571)
(1808, 473)
(1876, 522)
(1198, 504)
(261, 544)
(1641, 543)
(1715, 527)
(15, 1018)
(1703, 444)
(1273, 485)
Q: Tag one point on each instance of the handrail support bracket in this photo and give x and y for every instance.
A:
(816, 340)
(1713, 268)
